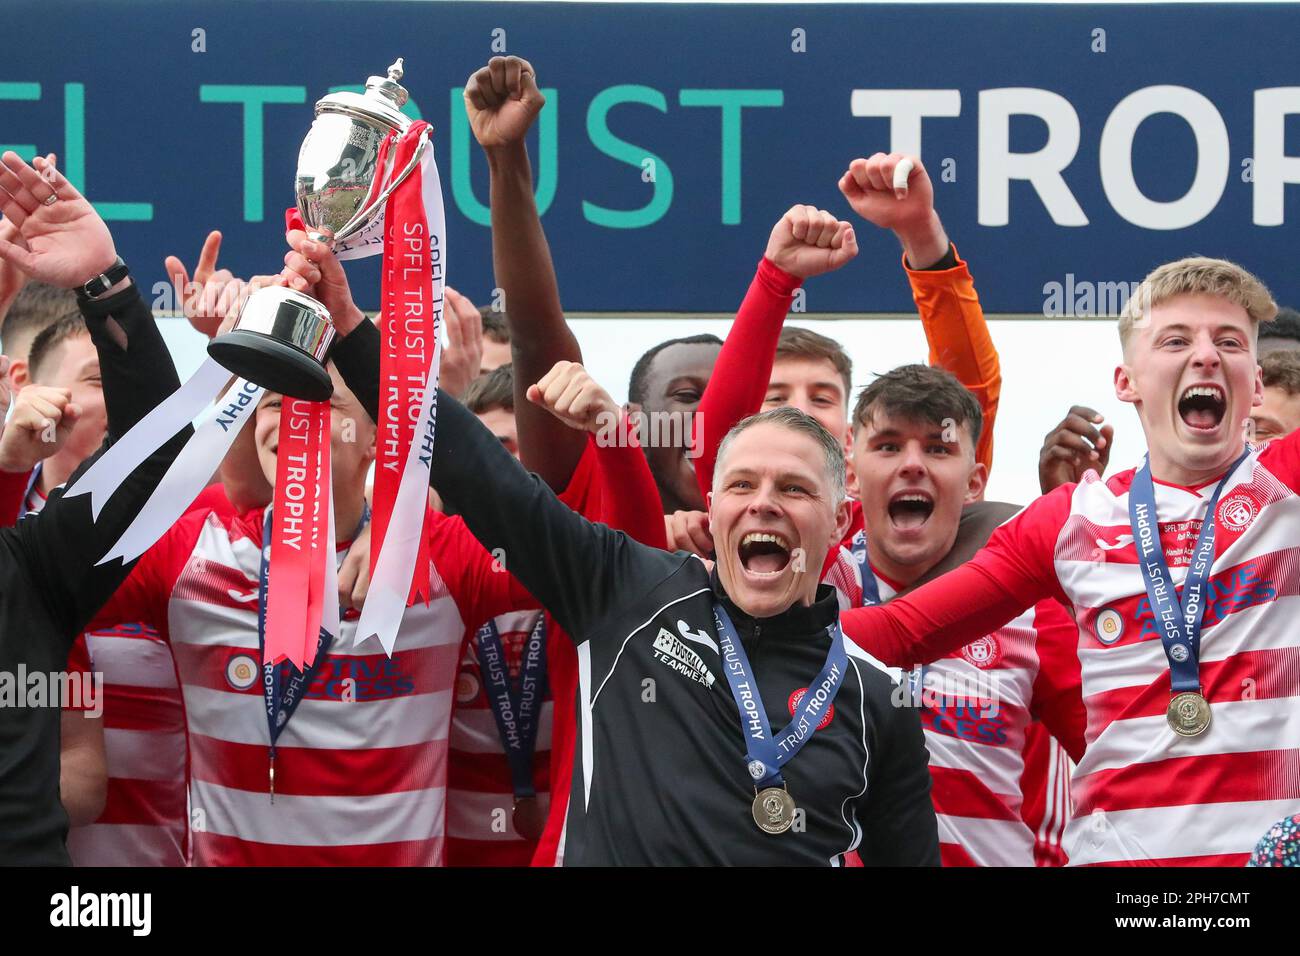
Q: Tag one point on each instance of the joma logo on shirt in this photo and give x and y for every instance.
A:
(670, 651)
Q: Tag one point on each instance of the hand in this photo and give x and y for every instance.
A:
(354, 572)
(463, 355)
(882, 191)
(808, 241)
(569, 393)
(199, 297)
(689, 531)
(42, 420)
(12, 279)
(312, 268)
(1074, 447)
(67, 243)
(502, 101)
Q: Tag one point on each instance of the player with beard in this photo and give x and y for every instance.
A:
(1181, 574)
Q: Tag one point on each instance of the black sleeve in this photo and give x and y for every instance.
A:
(897, 819)
(579, 571)
(61, 544)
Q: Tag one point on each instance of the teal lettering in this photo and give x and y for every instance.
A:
(29, 92)
(731, 102)
(546, 177)
(74, 158)
(625, 152)
(253, 99)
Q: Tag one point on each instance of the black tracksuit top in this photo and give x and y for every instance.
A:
(50, 586)
(659, 772)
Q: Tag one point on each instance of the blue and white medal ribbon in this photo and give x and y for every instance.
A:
(1179, 622)
(765, 754)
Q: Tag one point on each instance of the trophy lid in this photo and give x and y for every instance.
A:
(382, 102)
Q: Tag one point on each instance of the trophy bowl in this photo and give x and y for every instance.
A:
(280, 341)
(340, 187)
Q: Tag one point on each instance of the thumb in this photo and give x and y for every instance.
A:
(17, 256)
(68, 421)
(534, 395)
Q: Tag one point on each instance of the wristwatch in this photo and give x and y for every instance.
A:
(104, 281)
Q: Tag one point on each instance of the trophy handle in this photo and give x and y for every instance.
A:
(362, 218)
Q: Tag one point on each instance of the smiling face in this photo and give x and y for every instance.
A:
(352, 440)
(674, 384)
(1191, 373)
(773, 516)
(914, 477)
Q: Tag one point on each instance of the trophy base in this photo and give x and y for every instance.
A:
(273, 364)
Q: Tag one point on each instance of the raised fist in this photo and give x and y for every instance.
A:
(502, 101)
(808, 241)
(42, 420)
(894, 192)
(569, 393)
(689, 531)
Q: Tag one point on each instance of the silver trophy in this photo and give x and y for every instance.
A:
(282, 337)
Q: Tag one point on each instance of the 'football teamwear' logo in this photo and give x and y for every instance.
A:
(1237, 512)
(983, 653)
(1109, 626)
(241, 672)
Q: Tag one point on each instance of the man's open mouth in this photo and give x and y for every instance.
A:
(762, 552)
(1202, 407)
(909, 510)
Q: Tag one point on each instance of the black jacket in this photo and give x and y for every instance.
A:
(659, 768)
(50, 586)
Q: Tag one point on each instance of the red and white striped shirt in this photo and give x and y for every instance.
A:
(480, 795)
(1142, 793)
(977, 705)
(360, 770)
(145, 819)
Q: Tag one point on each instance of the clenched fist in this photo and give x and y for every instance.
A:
(42, 420)
(894, 192)
(808, 241)
(502, 101)
(689, 531)
(569, 393)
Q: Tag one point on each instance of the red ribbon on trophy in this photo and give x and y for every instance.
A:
(409, 330)
(299, 526)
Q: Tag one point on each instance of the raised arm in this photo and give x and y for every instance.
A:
(1014, 571)
(502, 101)
(578, 570)
(941, 282)
(805, 242)
(578, 401)
(67, 244)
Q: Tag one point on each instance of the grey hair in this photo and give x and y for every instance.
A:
(797, 421)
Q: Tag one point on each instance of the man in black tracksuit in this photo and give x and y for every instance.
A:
(49, 584)
(660, 769)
